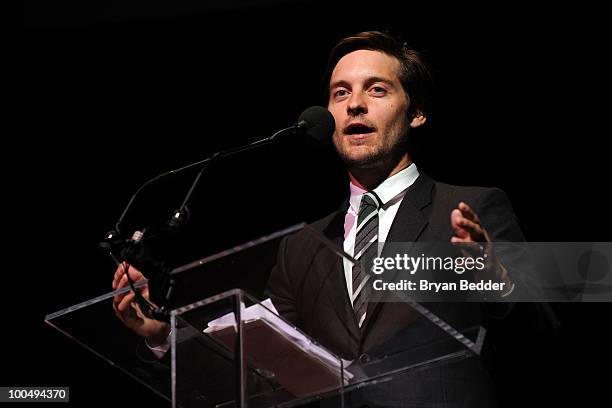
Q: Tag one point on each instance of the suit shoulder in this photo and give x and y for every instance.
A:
(492, 205)
(472, 195)
(329, 221)
(331, 226)
(474, 191)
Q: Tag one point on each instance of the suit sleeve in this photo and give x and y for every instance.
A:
(280, 288)
(498, 217)
(520, 334)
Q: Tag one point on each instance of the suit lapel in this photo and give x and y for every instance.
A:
(409, 221)
(407, 226)
(337, 292)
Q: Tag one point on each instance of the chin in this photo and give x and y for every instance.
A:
(364, 161)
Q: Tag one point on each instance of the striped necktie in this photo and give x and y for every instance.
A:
(366, 249)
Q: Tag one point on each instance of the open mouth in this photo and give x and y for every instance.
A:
(358, 129)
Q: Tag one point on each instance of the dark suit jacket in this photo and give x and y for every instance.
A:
(308, 288)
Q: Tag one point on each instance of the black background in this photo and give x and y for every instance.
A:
(115, 97)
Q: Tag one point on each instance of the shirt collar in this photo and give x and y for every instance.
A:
(389, 191)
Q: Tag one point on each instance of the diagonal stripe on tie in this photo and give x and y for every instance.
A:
(364, 251)
(362, 239)
(363, 221)
(359, 287)
(368, 246)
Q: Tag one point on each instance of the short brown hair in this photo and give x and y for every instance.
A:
(414, 74)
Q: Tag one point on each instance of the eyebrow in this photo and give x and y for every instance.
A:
(369, 81)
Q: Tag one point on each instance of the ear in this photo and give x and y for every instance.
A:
(417, 119)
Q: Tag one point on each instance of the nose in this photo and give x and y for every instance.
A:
(356, 105)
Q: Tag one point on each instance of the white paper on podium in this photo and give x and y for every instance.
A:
(269, 314)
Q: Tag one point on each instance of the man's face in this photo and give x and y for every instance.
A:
(370, 108)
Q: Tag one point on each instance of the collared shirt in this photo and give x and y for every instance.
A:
(391, 192)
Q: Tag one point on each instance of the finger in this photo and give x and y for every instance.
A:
(467, 244)
(456, 219)
(468, 213)
(469, 249)
(129, 315)
(118, 273)
(139, 313)
(134, 273)
(472, 228)
(122, 282)
(124, 279)
(118, 298)
(116, 301)
(118, 313)
(125, 302)
(144, 291)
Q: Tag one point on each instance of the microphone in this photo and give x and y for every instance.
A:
(317, 123)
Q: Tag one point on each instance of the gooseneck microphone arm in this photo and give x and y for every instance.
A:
(180, 216)
(149, 182)
(315, 121)
(206, 162)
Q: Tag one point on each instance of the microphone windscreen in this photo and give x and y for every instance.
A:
(318, 123)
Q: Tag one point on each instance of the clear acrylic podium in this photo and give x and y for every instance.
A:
(231, 349)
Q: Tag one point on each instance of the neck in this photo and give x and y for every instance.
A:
(371, 177)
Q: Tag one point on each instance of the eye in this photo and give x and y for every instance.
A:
(378, 90)
(340, 93)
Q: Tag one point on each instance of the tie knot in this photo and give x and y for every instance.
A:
(369, 199)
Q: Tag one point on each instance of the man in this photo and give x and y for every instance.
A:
(377, 93)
